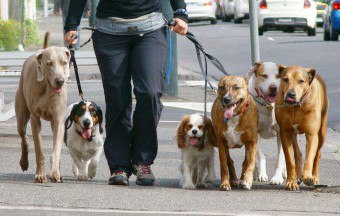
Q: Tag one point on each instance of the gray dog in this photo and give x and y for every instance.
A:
(42, 93)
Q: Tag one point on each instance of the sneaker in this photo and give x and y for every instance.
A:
(144, 174)
(119, 178)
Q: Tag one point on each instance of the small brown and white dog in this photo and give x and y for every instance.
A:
(264, 83)
(304, 95)
(235, 120)
(197, 151)
(83, 137)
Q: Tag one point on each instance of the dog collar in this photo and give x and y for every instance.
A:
(89, 139)
(304, 98)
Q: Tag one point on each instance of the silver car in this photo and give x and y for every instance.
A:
(201, 10)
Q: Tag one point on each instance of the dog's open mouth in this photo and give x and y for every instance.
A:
(194, 140)
(56, 90)
(229, 110)
(86, 133)
(290, 101)
(271, 97)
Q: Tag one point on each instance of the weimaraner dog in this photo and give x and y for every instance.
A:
(42, 93)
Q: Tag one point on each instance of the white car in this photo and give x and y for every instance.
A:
(241, 10)
(287, 15)
(201, 10)
(227, 10)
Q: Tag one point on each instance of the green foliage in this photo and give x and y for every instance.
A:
(31, 36)
(9, 35)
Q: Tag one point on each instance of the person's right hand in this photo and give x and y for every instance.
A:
(68, 37)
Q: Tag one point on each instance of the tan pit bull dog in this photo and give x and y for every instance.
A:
(304, 97)
(235, 120)
(42, 93)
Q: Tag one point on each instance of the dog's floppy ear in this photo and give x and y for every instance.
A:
(73, 112)
(211, 132)
(100, 118)
(311, 73)
(40, 75)
(281, 68)
(254, 68)
(246, 80)
(181, 132)
(68, 54)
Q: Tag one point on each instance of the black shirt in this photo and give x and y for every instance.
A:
(127, 9)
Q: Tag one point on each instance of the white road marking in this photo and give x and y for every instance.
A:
(189, 105)
(271, 39)
(117, 211)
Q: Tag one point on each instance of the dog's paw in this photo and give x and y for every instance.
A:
(82, 177)
(92, 173)
(309, 181)
(235, 183)
(292, 185)
(201, 185)
(55, 177)
(316, 180)
(40, 178)
(277, 180)
(225, 186)
(284, 173)
(262, 177)
(24, 163)
(189, 186)
(245, 185)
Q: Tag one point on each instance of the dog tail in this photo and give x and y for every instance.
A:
(47, 39)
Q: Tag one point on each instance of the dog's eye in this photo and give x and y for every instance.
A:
(221, 88)
(301, 81)
(201, 127)
(49, 63)
(265, 76)
(64, 63)
(190, 126)
(285, 80)
(236, 87)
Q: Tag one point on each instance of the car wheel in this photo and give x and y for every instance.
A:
(326, 35)
(334, 34)
(311, 31)
(261, 31)
(213, 21)
(237, 20)
(226, 18)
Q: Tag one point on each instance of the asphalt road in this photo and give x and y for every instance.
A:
(230, 44)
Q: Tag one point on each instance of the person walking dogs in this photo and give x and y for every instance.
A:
(130, 42)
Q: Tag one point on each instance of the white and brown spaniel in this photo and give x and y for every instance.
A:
(197, 148)
(83, 137)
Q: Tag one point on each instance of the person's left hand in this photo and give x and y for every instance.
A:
(181, 27)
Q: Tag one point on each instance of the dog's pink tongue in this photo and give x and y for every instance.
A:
(194, 140)
(86, 134)
(290, 100)
(57, 90)
(229, 112)
(271, 99)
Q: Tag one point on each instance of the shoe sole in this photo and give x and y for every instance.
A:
(122, 182)
(141, 183)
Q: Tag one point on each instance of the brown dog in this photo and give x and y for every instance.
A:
(235, 120)
(304, 97)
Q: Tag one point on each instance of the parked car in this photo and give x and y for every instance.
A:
(241, 10)
(332, 21)
(227, 10)
(287, 15)
(321, 8)
(201, 10)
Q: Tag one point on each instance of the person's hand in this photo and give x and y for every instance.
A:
(181, 27)
(88, 13)
(68, 37)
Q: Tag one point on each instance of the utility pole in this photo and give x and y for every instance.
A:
(94, 4)
(254, 32)
(45, 8)
(171, 87)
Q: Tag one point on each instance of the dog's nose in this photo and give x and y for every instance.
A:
(194, 132)
(291, 94)
(226, 99)
(272, 88)
(59, 81)
(86, 123)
